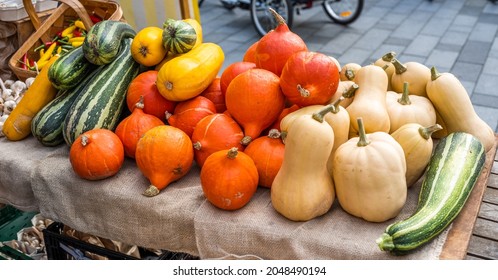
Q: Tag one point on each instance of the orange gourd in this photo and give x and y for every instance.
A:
(267, 152)
(254, 99)
(214, 133)
(154, 103)
(188, 113)
(164, 154)
(232, 71)
(229, 179)
(250, 54)
(213, 92)
(275, 47)
(309, 78)
(96, 154)
(131, 128)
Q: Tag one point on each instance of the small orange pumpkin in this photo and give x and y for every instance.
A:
(213, 92)
(250, 54)
(213, 133)
(96, 154)
(232, 71)
(229, 179)
(189, 112)
(164, 154)
(267, 152)
(131, 128)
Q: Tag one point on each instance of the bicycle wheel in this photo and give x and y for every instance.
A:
(262, 18)
(343, 11)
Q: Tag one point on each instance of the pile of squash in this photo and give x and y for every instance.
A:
(284, 117)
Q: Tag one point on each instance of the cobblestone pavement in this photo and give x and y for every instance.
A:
(457, 36)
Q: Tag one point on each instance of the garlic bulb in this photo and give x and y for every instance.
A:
(29, 81)
(9, 106)
(19, 87)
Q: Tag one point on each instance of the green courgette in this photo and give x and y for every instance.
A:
(67, 71)
(453, 170)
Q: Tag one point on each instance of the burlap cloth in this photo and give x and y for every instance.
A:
(179, 218)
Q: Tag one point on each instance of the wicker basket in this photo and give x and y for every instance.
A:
(67, 11)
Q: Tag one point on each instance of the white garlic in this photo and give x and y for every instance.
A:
(9, 106)
(29, 81)
(3, 118)
(18, 87)
(8, 83)
(6, 92)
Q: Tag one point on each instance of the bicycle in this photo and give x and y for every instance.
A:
(339, 11)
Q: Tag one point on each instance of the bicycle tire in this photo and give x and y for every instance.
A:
(261, 17)
(350, 10)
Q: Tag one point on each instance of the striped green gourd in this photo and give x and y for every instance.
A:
(178, 36)
(455, 166)
(46, 126)
(70, 69)
(101, 104)
(102, 42)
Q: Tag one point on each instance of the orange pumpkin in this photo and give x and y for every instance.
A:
(267, 152)
(275, 47)
(96, 154)
(154, 103)
(188, 113)
(232, 71)
(250, 54)
(213, 92)
(131, 128)
(309, 78)
(254, 100)
(164, 154)
(229, 179)
(213, 133)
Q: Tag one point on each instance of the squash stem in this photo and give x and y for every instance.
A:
(232, 153)
(84, 140)
(398, 66)
(385, 242)
(336, 103)
(434, 73)
(351, 91)
(405, 99)
(274, 133)
(426, 132)
(349, 74)
(302, 91)
(363, 141)
(388, 57)
(151, 191)
(318, 116)
(246, 140)
(277, 17)
(140, 103)
(197, 146)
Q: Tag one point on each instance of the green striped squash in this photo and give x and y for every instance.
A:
(101, 104)
(47, 125)
(455, 166)
(67, 71)
(102, 42)
(178, 36)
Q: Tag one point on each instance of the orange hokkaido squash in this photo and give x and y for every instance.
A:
(232, 71)
(188, 113)
(164, 154)
(250, 54)
(213, 92)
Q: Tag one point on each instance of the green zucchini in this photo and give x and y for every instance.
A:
(455, 166)
(103, 40)
(46, 126)
(67, 71)
(101, 104)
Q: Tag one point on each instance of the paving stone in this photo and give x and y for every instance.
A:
(398, 41)
(490, 9)
(342, 42)
(422, 45)
(441, 59)
(488, 18)
(475, 52)
(491, 66)
(411, 26)
(483, 32)
(493, 52)
(469, 10)
(372, 39)
(485, 100)
(436, 27)
(385, 48)
(448, 47)
(465, 20)
(469, 87)
(489, 115)
(465, 71)
(454, 38)
(355, 55)
(487, 84)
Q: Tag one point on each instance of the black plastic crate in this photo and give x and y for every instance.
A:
(12, 220)
(63, 247)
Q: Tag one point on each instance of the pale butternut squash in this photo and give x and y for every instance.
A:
(303, 188)
(348, 71)
(451, 100)
(369, 176)
(415, 73)
(417, 145)
(385, 62)
(346, 89)
(369, 101)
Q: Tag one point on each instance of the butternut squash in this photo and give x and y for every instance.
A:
(369, 101)
(403, 108)
(417, 145)
(385, 62)
(451, 100)
(415, 73)
(40, 93)
(346, 89)
(303, 188)
(369, 176)
(348, 71)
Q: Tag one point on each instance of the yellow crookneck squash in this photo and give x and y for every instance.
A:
(369, 176)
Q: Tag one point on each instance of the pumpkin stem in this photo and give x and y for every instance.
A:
(84, 140)
(405, 99)
(362, 134)
(302, 91)
(318, 116)
(426, 132)
(388, 57)
(167, 115)
(274, 133)
(140, 103)
(336, 103)
(434, 73)
(351, 90)
(151, 191)
(400, 68)
(283, 135)
(277, 17)
(232, 153)
(246, 140)
(349, 74)
(385, 242)
(169, 85)
(197, 145)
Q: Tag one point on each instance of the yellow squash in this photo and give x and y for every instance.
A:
(415, 73)
(40, 93)
(186, 76)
